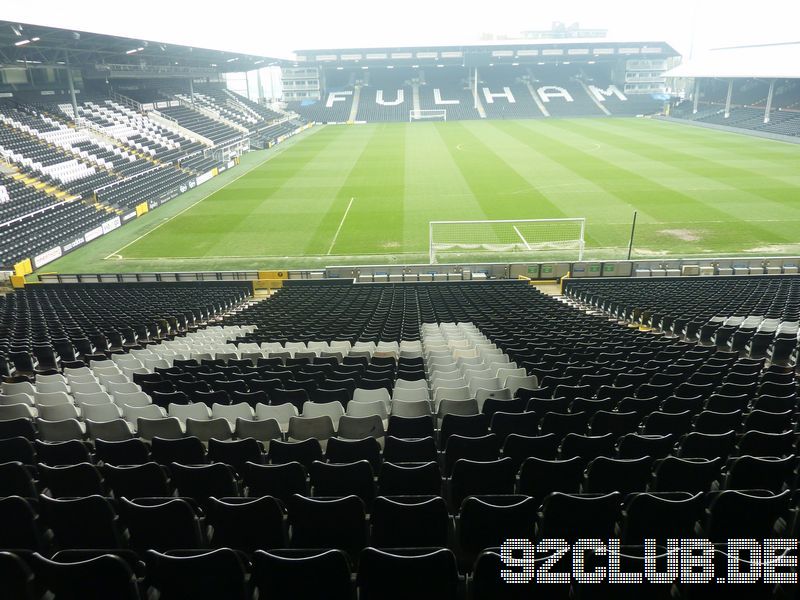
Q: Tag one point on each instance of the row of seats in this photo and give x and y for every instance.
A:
(344, 523)
(224, 574)
(409, 467)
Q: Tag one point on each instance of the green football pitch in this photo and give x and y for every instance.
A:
(364, 194)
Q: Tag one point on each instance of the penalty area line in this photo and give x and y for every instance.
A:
(524, 241)
(336, 235)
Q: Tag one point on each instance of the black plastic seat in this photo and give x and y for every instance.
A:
(137, 481)
(409, 522)
(340, 450)
(337, 480)
(605, 475)
(171, 524)
(463, 425)
(746, 515)
(280, 481)
(759, 473)
(483, 448)
(428, 574)
(587, 447)
(284, 574)
(110, 577)
(416, 479)
(717, 422)
(235, 453)
(57, 454)
(472, 477)
(20, 528)
(615, 423)
(17, 449)
(72, 481)
(660, 516)
(707, 445)
(410, 427)
(202, 481)
(759, 443)
(519, 447)
(88, 522)
(216, 575)
(576, 516)
(769, 422)
(304, 452)
(633, 445)
(539, 477)
(693, 475)
(400, 450)
(21, 427)
(488, 521)
(247, 524)
(662, 423)
(504, 423)
(328, 523)
(563, 423)
(123, 452)
(184, 451)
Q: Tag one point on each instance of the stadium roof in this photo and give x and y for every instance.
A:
(29, 45)
(557, 49)
(766, 61)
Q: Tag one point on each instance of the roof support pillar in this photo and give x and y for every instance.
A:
(696, 95)
(769, 101)
(728, 99)
(260, 86)
(247, 83)
(475, 89)
(71, 85)
(191, 89)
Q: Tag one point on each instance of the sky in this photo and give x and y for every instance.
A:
(278, 28)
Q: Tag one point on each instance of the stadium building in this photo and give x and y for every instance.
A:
(446, 323)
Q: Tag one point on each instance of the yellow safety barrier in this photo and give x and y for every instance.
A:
(23, 267)
(273, 275)
(17, 281)
(142, 209)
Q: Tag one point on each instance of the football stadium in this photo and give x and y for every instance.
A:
(513, 318)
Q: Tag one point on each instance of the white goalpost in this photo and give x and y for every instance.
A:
(429, 114)
(507, 240)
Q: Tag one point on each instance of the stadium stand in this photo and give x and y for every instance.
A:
(535, 418)
(453, 85)
(110, 154)
(214, 130)
(504, 92)
(56, 224)
(562, 93)
(505, 95)
(386, 96)
(335, 107)
(748, 103)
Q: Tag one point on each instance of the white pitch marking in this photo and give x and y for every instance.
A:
(336, 235)
(524, 241)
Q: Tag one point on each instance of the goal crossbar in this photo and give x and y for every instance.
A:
(507, 239)
(423, 114)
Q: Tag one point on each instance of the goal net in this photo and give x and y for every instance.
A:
(432, 114)
(512, 241)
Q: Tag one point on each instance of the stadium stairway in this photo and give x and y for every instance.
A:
(351, 118)
(415, 96)
(536, 99)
